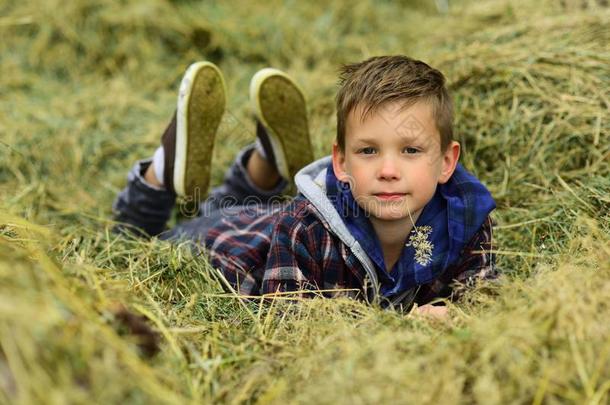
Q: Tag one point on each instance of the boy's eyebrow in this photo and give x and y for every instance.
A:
(365, 140)
(404, 138)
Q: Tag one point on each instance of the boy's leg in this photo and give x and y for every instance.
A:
(140, 207)
(263, 173)
(236, 195)
(184, 158)
(239, 189)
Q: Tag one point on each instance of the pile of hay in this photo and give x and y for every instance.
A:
(88, 87)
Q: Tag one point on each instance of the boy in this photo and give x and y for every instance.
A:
(390, 217)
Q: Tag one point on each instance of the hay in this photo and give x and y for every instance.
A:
(90, 85)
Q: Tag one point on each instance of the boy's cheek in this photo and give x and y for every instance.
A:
(357, 180)
(346, 177)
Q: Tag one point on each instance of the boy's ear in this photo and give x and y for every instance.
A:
(338, 158)
(450, 159)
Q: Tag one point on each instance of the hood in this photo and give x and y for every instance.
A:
(311, 182)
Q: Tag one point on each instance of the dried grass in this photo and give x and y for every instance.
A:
(87, 88)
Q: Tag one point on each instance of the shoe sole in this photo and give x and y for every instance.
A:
(280, 106)
(201, 104)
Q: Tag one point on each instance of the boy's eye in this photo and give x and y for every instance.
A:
(367, 151)
(410, 151)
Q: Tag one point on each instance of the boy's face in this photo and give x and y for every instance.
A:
(393, 160)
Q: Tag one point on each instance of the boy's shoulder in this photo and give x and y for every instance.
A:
(302, 221)
(300, 212)
(311, 205)
(464, 181)
(467, 199)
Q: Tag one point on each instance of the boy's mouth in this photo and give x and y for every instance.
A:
(389, 196)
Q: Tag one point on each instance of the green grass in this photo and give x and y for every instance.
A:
(88, 86)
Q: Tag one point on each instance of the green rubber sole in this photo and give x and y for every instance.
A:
(203, 110)
(283, 110)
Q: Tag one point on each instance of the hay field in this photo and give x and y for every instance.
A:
(87, 86)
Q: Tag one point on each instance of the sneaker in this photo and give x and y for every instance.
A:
(282, 128)
(188, 141)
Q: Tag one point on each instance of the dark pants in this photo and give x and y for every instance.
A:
(145, 209)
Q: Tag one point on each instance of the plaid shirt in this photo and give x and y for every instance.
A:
(294, 249)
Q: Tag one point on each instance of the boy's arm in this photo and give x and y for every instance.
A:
(478, 258)
(477, 263)
(292, 264)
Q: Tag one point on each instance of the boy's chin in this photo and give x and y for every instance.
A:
(389, 211)
(385, 214)
(391, 218)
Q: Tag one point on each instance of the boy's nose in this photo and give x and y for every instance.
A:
(389, 170)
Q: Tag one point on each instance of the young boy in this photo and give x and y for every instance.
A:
(390, 217)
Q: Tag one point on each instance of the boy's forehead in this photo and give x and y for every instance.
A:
(409, 121)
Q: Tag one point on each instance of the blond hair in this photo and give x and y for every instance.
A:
(383, 79)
